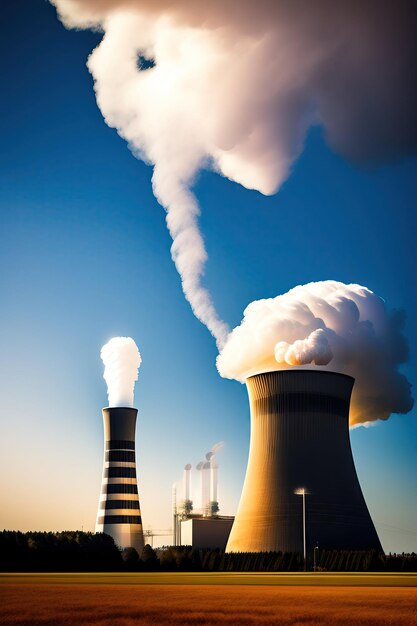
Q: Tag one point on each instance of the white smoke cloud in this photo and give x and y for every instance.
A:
(235, 86)
(121, 360)
(313, 349)
(326, 325)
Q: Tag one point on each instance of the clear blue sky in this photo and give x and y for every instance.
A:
(85, 255)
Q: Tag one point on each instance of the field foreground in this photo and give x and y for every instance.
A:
(208, 599)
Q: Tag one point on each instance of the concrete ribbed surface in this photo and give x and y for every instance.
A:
(300, 438)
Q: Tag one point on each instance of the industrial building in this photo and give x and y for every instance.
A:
(205, 532)
(205, 529)
(119, 509)
(301, 487)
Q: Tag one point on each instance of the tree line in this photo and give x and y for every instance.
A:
(63, 551)
(81, 551)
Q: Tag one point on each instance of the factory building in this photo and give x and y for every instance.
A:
(119, 509)
(205, 529)
(300, 445)
(206, 532)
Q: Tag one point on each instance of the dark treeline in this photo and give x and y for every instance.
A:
(65, 551)
(79, 551)
(183, 558)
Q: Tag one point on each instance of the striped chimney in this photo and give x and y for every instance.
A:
(119, 509)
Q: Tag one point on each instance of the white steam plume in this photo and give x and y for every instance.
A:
(313, 349)
(215, 449)
(326, 325)
(235, 86)
(121, 360)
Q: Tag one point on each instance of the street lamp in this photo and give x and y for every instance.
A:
(302, 491)
(315, 548)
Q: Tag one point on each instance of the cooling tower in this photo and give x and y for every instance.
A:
(119, 508)
(300, 439)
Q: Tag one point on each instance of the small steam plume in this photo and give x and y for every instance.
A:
(235, 86)
(215, 449)
(326, 325)
(121, 360)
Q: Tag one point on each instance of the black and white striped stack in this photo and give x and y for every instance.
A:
(119, 508)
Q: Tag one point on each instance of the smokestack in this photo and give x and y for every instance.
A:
(214, 467)
(300, 438)
(187, 482)
(187, 505)
(213, 480)
(205, 487)
(119, 509)
(204, 468)
(174, 515)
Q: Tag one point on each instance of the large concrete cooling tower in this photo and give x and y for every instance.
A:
(119, 508)
(300, 439)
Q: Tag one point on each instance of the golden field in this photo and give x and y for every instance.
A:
(213, 599)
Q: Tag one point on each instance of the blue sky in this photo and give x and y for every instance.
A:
(85, 255)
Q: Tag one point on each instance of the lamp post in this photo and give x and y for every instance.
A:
(315, 548)
(302, 491)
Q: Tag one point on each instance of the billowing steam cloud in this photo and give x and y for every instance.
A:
(313, 349)
(326, 325)
(236, 85)
(121, 360)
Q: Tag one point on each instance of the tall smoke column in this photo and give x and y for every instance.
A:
(201, 84)
(326, 326)
(121, 360)
(119, 509)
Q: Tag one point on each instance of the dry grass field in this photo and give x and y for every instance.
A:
(121, 600)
